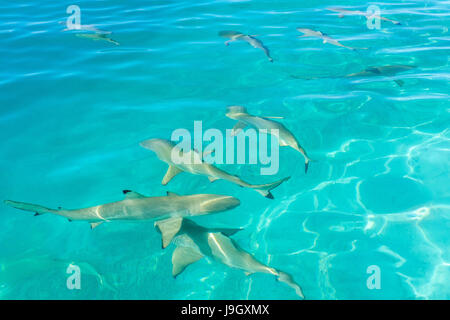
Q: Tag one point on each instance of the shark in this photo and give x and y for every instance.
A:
(254, 42)
(326, 38)
(388, 71)
(286, 138)
(193, 242)
(166, 150)
(344, 12)
(382, 71)
(136, 206)
(84, 27)
(97, 37)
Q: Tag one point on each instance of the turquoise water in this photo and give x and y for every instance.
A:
(73, 111)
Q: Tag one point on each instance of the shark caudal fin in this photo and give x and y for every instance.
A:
(287, 278)
(264, 189)
(37, 209)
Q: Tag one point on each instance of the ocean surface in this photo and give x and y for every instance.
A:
(376, 196)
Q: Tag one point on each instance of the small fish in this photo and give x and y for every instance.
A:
(255, 43)
(344, 12)
(324, 37)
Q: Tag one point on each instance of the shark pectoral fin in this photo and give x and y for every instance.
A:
(132, 194)
(400, 83)
(95, 224)
(182, 257)
(237, 128)
(212, 179)
(247, 273)
(168, 229)
(171, 172)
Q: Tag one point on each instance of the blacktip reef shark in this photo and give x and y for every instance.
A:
(344, 12)
(164, 150)
(255, 43)
(326, 38)
(194, 242)
(380, 71)
(135, 206)
(97, 37)
(84, 27)
(387, 71)
(285, 137)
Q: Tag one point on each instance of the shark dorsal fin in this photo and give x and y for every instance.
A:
(132, 194)
(168, 229)
(182, 257)
(172, 194)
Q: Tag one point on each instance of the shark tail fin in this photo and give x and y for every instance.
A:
(29, 207)
(264, 189)
(287, 278)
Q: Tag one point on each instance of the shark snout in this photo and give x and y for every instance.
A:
(153, 144)
(219, 203)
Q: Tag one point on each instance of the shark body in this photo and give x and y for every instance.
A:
(285, 137)
(387, 71)
(254, 42)
(97, 37)
(344, 12)
(326, 38)
(138, 207)
(166, 150)
(193, 242)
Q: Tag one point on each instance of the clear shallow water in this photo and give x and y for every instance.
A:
(73, 110)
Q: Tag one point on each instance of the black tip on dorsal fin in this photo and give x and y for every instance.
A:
(36, 214)
(126, 191)
(59, 208)
(69, 220)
